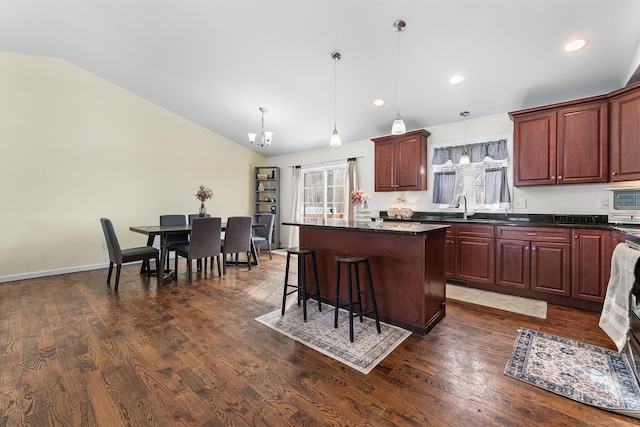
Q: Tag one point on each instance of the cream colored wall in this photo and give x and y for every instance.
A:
(76, 148)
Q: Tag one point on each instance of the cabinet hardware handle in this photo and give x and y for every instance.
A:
(614, 173)
(553, 177)
(575, 237)
(533, 248)
(560, 177)
(531, 234)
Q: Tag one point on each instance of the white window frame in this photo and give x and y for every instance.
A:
(326, 211)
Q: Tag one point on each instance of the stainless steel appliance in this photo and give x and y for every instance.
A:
(624, 203)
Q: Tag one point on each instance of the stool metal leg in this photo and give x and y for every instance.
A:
(358, 292)
(335, 321)
(302, 285)
(315, 275)
(350, 291)
(373, 296)
(286, 283)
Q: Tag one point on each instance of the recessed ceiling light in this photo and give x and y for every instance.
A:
(574, 45)
(378, 102)
(456, 79)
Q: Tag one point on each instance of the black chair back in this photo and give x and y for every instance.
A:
(266, 231)
(113, 246)
(205, 238)
(237, 237)
(175, 220)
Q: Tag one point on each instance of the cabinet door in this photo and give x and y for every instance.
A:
(535, 149)
(410, 166)
(625, 137)
(450, 261)
(583, 144)
(513, 263)
(384, 166)
(551, 268)
(590, 264)
(476, 259)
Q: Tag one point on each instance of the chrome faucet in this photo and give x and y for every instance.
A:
(462, 196)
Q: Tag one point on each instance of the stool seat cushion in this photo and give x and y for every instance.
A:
(352, 258)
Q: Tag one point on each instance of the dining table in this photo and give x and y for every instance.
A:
(165, 231)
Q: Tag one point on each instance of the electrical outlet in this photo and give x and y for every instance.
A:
(603, 203)
(104, 246)
(520, 203)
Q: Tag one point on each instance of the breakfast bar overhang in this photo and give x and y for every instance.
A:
(407, 265)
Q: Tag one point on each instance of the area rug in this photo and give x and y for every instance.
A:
(527, 306)
(318, 333)
(585, 373)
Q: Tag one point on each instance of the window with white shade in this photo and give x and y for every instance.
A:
(324, 193)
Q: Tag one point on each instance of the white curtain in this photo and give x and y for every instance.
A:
(294, 237)
(352, 184)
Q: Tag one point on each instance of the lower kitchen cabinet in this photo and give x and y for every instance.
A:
(450, 258)
(590, 264)
(536, 259)
(475, 253)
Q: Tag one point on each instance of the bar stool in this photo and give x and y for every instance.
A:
(355, 261)
(301, 286)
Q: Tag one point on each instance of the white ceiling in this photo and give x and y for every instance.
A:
(215, 62)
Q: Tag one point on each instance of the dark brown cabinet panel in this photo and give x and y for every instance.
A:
(401, 162)
(583, 144)
(590, 264)
(625, 134)
(476, 259)
(534, 258)
(562, 144)
(535, 149)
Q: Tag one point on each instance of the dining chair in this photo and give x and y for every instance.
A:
(205, 243)
(120, 256)
(174, 240)
(263, 234)
(191, 218)
(237, 238)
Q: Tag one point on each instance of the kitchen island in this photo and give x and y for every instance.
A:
(407, 265)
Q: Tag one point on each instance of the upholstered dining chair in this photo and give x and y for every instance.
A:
(174, 240)
(205, 243)
(120, 256)
(191, 218)
(237, 238)
(262, 235)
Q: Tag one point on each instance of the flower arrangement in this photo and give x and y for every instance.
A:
(359, 196)
(204, 193)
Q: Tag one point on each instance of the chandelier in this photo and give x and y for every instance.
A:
(265, 135)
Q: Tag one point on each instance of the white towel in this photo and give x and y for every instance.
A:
(614, 319)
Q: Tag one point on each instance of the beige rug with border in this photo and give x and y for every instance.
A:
(526, 306)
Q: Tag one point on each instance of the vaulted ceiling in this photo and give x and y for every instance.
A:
(216, 62)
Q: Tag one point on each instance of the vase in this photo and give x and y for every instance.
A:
(203, 210)
(363, 214)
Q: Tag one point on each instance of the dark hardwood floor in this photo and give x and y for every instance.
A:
(74, 352)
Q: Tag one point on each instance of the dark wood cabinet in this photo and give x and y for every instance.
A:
(475, 253)
(532, 258)
(450, 258)
(590, 264)
(625, 134)
(563, 143)
(401, 162)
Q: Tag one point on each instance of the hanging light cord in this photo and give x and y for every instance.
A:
(398, 71)
(335, 92)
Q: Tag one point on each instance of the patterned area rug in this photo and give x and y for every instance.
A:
(582, 372)
(528, 306)
(367, 350)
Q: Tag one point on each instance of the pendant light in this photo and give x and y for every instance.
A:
(265, 136)
(464, 159)
(398, 127)
(335, 140)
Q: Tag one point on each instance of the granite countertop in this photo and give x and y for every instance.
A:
(529, 220)
(402, 227)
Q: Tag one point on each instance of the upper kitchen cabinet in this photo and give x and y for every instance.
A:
(401, 162)
(625, 134)
(563, 143)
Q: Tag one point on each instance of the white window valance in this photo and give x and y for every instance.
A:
(496, 150)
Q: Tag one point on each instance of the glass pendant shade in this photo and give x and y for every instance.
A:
(398, 127)
(252, 137)
(335, 140)
(464, 159)
(268, 136)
